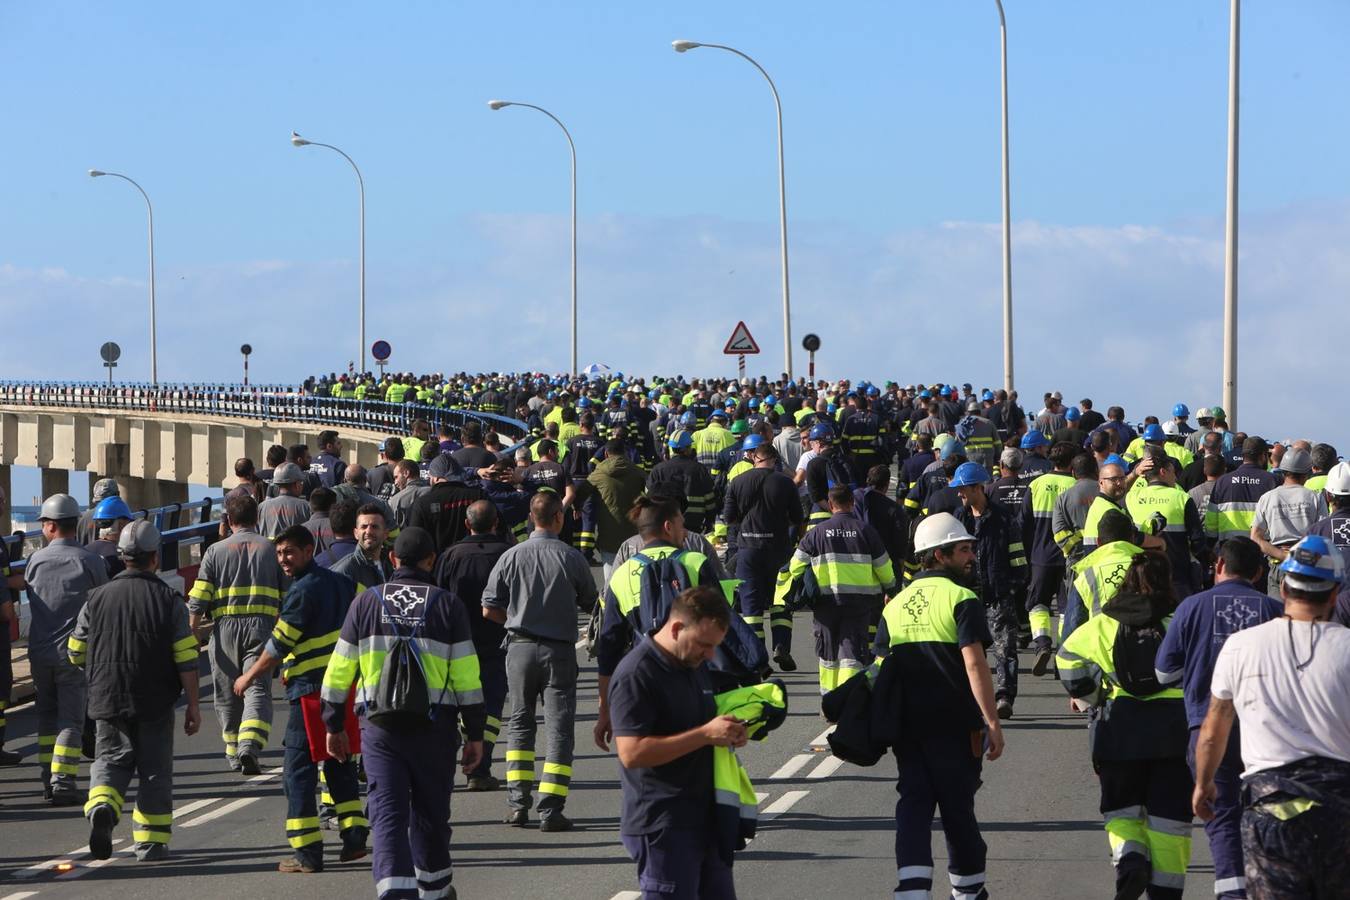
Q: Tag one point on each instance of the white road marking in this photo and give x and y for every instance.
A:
(81, 870)
(22, 895)
(582, 643)
(40, 868)
(621, 895)
(793, 766)
(782, 804)
(194, 806)
(760, 798)
(220, 811)
(826, 768)
(266, 776)
(821, 741)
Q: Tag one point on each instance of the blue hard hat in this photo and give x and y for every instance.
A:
(925, 395)
(821, 433)
(754, 403)
(1154, 433)
(1313, 564)
(952, 448)
(1181, 410)
(830, 408)
(874, 391)
(689, 420)
(1115, 459)
(968, 474)
(752, 441)
(1072, 414)
(987, 394)
(729, 402)
(771, 399)
(582, 403)
(553, 395)
(851, 394)
(681, 441)
(1033, 439)
(111, 508)
(718, 414)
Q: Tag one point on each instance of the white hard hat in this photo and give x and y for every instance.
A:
(1170, 428)
(939, 530)
(1338, 479)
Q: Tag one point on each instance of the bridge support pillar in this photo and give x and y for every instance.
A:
(55, 481)
(147, 493)
(8, 489)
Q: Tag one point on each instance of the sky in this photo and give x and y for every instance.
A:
(891, 130)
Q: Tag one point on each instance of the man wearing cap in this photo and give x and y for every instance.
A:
(440, 511)
(409, 756)
(238, 590)
(1285, 514)
(86, 532)
(682, 478)
(1288, 681)
(60, 577)
(136, 646)
(935, 631)
(276, 514)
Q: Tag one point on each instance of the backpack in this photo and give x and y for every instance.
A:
(838, 471)
(402, 700)
(1133, 655)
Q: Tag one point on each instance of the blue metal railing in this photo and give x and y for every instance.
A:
(267, 403)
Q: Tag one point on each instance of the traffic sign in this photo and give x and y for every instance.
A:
(110, 352)
(381, 351)
(246, 349)
(740, 342)
(811, 343)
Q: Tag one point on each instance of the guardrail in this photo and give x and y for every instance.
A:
(267, 403)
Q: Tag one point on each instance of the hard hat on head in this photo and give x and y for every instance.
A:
(718, 414)
(752, 441)
(969, 474)
(1170, 428)
(584, 402)
(681, 441)
(1072, 414)
(874, 391)
(821, 433)
(952, 448)
(59, 506)
(111, 508)
(939, 530)
(1338, 480)
(1217, 412)
(104, 488)
(740, 426)
(941, 441)
(973, 406)
(1115, 459)
(1181, 410)
(754, 403)
(1154, 433)
(137, 539)
(1204, 412)
(1313, 564)
(689, 419)
(771, 399)
(986, 394)
(1033, 439)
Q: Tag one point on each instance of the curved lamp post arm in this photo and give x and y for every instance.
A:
(150, 217)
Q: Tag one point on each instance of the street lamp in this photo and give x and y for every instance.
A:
(502, 104)
(1230, 244)
(1007, 213)
(685, 46)
(298, 141)
(150, 210)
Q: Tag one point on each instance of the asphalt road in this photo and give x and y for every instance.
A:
(826, 829)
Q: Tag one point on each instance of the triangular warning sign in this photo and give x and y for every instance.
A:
(740, 341)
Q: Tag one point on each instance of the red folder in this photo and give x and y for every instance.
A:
(317, 732)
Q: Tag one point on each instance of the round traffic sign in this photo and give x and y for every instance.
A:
(110, 352)
(380, 350)
(811, 343)
(246, 349)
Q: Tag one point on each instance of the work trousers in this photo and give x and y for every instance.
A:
(842, 647)
(245, 722)
(1146, 804)
(6, 673)
(757, 568)
(61, 695)
(1002, 614)
(1225, 829)
(1293, 855)
(300, 778)
(680, 864)
(492, 674)
(1042, 594)
(585, 533)
(144, 748)
(536, 669)
(409, 777)
(942, 774)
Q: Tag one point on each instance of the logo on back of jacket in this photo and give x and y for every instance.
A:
(917, 604)
(405, 605)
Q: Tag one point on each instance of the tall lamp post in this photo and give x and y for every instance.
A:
(1230, 248)
(150, 212)
(502, 104)
(298, 141)
(684, 46)
(1007, 213)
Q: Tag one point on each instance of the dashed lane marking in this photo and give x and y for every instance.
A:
(194, 806)
(85, 868)
(827, 767)
(823, 739)
(265, 776)
(793, 766)
(49, 865)
(621, 895)
(219, 812)
(24, 895)
(782, 804)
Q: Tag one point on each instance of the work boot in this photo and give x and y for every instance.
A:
(232, 762)
(101, 822)
(153, 853)
(1045, 655)
(10, 758)
(67, 796)
(1131, 883)
(482, 783)
(555, 822)
(1005, 708)
(353, 845)
(328, 818)
(517, 818)
(783, 660)
(248, 763)
(294, 865)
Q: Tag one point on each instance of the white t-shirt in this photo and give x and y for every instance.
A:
(1287, 714)
(806, 458)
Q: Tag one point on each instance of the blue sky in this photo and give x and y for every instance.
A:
(891, 110)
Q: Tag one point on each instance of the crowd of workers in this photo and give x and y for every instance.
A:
(932, 530)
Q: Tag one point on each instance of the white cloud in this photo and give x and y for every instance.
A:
(1128, 314)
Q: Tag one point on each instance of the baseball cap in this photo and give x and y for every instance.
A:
(413, 545)
(445, 466)
(1296, 461)
(103, 489)
(287, 473)
(137, 538)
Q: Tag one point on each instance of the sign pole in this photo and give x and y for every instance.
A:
(740, 365)
(813, 365)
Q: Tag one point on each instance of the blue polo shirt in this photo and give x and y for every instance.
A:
(1200, 626)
